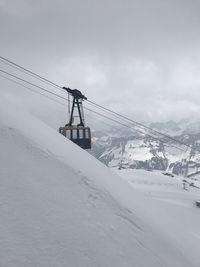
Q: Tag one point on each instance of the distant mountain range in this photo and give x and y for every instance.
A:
(130, 148)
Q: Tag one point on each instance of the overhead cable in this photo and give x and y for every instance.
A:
(91, 102)
(95, 112)
(25, 70)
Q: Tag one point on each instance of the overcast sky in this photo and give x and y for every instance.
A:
(138, 57)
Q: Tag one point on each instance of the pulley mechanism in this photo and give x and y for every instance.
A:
(77, 133)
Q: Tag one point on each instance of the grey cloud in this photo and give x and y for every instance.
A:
(139, 57)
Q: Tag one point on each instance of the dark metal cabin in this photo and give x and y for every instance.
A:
(79, 133)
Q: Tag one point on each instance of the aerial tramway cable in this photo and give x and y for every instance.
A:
(90, 110)
(135, 122)
(25, 70)
(32, 90)
(48, 97)
(88, 101)
(119, 116)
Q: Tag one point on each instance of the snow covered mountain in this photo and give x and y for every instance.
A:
(60, 206)
(130, 149)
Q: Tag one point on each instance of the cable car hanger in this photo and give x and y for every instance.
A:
(77, 102)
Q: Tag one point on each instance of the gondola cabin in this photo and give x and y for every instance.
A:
(79, 135)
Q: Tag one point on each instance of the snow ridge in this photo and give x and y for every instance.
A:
(61, 207)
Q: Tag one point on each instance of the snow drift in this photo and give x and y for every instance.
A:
(61, 207)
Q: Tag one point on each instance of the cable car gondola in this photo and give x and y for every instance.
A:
(79, 134)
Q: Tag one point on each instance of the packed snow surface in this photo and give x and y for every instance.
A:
(61, 207)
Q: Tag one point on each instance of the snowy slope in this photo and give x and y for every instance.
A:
(175, 213)
(61, 207)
